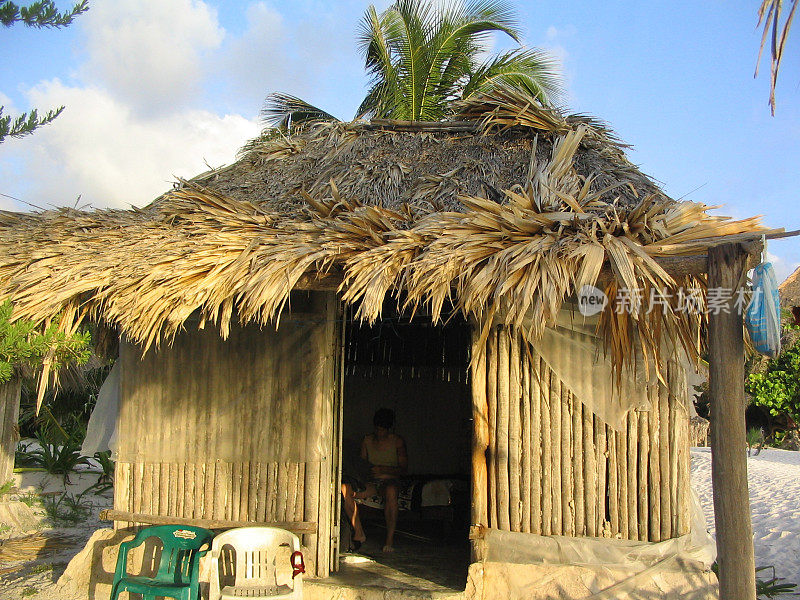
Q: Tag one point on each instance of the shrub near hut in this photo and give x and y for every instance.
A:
(777, 388)
(25, 346)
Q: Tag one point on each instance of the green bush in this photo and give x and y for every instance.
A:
(67, 509)
(57, 458)
(777, 388)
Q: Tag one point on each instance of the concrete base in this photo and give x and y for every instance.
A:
(90, 573)
(19, 517)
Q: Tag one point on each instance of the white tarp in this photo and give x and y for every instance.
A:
(576, 355)
(101, 432)
(607, 568)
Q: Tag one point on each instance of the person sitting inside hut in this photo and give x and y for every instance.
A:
(385, 452)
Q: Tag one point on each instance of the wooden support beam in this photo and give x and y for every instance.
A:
(9, 431)
(297, 527)
(726, 268)
(397, 125)
(480, 441)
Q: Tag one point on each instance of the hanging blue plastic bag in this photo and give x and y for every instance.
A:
(763, 317)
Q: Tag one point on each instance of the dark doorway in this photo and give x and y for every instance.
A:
(420, 370)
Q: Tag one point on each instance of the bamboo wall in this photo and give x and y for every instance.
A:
(552, 467)
(242, 429)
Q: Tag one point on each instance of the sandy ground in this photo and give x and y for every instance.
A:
(774, 482)
(34, 579)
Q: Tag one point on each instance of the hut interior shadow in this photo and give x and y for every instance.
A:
(420, 370)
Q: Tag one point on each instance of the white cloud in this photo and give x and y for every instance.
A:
(7, 104)
(102, 150)
(307, 51)
(555, 43)
(150, 52)
(258, 60)
(782, 267)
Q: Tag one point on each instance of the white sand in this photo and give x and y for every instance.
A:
(774, 481)
(36, 579)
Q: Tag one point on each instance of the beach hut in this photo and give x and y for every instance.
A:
(252, 304)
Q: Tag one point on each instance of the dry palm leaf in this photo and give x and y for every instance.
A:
(516, 258)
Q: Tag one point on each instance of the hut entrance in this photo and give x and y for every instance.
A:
(420, 371)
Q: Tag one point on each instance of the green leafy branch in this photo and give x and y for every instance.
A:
(39, 14)
(23, 344)
(26, 123)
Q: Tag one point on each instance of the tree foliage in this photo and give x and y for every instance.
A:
(777, 388)
(39, 15)
(422, 56)
(26, 123)
(23, 344)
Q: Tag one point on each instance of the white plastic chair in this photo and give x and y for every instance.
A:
(258, 573)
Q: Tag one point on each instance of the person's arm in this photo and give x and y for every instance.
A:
(402, 456)
(364, 455)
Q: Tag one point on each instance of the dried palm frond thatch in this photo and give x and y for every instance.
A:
(506, 226)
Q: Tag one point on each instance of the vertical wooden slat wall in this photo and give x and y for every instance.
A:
(554, 468)
(235, 384)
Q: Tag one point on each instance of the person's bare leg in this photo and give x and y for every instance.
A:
(351, 508)
(390, 511)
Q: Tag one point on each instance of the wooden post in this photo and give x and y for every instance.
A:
(622, 479)
(501, 433)
(480, 440)
(556, 524)
(726, 267)
(653, 470)
(633, 452)
(491, 408)
(536, 445)
(666, 482)
(578, 469)
(547, 458)
(642, 493)
(567, 458)
(525, 441)
(9, 432)
(514, 431)
(590, 474)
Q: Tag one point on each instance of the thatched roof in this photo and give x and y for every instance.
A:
(790, 290)
(507, 224)
(394, 167)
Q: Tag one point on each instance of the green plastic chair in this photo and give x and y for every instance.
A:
(178, 570)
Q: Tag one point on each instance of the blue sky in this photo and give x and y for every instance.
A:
(157, 89)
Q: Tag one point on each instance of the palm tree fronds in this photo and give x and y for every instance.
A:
(528, 69)
(421, 57)
(286, 112)
(770, 14)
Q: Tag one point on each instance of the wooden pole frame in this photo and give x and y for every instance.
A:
(9, 431)
(727, 265)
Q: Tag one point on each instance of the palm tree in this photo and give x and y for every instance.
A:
(422, 57)
(769, 13)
